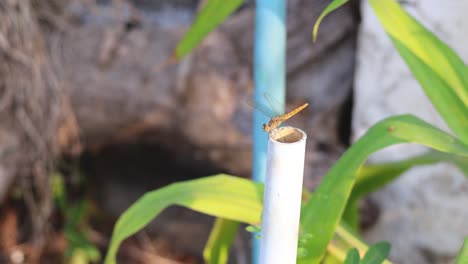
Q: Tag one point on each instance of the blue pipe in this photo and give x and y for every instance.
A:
(269, 77)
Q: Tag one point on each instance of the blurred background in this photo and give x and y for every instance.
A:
(94, 114)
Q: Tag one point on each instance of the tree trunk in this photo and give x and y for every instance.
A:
(32, 111)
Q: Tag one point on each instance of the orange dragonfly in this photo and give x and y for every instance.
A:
(273, 112)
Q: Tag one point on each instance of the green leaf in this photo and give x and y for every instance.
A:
(377, 253)
(75, 213)
(331, 7)
(372, 177)
(351, 213)
(78, 242)
(441, 73)
(253, 229)
(352, 257)
(78, 256)
(212, 14)
(222, 196)
(462, 257)
(59, 191)
(344, 239)
(219, 243)
(349, 237)
(331, 259)
(323, 211)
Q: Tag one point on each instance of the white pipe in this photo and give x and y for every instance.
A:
(282, 196)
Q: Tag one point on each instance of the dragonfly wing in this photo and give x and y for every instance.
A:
(275, 105)
(262, 107)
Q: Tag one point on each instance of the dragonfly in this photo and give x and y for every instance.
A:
(272, 112)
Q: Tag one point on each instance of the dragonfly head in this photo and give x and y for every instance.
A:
(266, 127)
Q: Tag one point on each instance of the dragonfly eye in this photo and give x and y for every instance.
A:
(264, 126)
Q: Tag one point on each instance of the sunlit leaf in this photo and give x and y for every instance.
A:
(212, 14)
(219, 243)
(331, 7)
(222, 196)
(442, 74)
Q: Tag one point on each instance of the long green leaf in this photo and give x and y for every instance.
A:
(323, 211)
(212, 14)
(442, 74)
(462, 257)
(219, 244)
(373, 177)
(331, 7)
(222, 196)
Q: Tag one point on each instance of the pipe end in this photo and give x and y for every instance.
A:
(287, 134)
